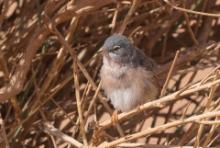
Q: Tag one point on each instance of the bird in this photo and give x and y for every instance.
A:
(127, 75)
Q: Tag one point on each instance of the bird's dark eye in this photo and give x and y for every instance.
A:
(116, 47)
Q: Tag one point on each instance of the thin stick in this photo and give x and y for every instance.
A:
(128, 16)
(209, 122)
(209, 100)
(93, 101)
(114, 19)
(48, 128)
(211, 95)
(209, 74)
(51, 136)
(164, 45)
(78, 101)
(169, 74)
(192, 35)
(190, 11)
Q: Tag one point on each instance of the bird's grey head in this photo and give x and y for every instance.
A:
(118, 48)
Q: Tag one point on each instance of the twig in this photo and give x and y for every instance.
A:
(128, 16)
(92, 101)
(209, 122)
(78, 101)
(50, 129)
(47, 121)
(190, 11)
(163, 91)
(211, 133)
(211, 95)
(163, 51)
(209, 100)
(114, 19)
(209, 74)
(192, 35)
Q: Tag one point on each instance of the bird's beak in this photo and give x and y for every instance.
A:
(103, 51)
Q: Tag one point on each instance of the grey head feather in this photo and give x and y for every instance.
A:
(128, 54)
(117, 39)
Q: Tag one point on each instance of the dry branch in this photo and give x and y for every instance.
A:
(161, 128)
(48, 128)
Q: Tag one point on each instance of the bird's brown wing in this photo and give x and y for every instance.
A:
(140, 59)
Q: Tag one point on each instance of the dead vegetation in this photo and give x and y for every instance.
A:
(49, 64)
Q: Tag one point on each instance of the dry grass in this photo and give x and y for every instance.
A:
(49, 73)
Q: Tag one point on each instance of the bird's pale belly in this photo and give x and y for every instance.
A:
(125, 99)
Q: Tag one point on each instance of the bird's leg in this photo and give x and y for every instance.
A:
(115, 117)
